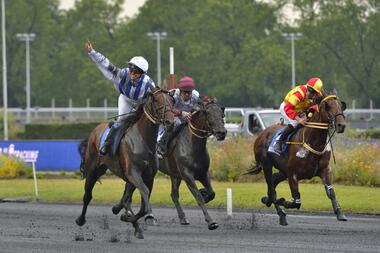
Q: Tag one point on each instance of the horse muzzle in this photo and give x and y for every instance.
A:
(220, 135)
(340, 127)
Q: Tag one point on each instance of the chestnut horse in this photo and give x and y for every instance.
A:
(189, 160)
(135, 161)
(306, 156)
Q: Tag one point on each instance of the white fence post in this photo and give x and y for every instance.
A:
(229, 202)
(35, 180)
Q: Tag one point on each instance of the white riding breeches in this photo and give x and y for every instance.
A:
(126, 105)
(293, 122)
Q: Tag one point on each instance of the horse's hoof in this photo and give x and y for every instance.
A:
(204, 194)
(184, 221)
(80, 221)
(213, 225)
(116, 209)
(341, 217)
(151, 221)
(125, 217)
(283, 221)
(265, 201)
(139, 234)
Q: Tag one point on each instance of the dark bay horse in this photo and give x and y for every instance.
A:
(189, 160)
(306, 156)
(135, 161)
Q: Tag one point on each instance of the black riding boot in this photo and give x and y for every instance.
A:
(162, 145)
(288, 130)
(108, 141)
(124, 124)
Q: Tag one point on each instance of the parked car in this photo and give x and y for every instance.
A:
(252, 121)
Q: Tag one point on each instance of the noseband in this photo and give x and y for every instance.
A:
(203, 133)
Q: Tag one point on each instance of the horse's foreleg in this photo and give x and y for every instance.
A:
(326, 177)
(190, 182)
(117, 208)
(176, 182)
(207, 193)
(296, 201)
(136, 179)
(91, 179)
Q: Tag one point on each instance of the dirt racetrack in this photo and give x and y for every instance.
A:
(41, 227)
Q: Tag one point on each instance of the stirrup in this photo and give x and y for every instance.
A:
(103, 150)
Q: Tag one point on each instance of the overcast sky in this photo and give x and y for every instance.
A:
(130, 6)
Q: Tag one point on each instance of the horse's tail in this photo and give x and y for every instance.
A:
(82, 147)
(254, 169)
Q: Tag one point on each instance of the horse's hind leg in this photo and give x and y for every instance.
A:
(91, 178)
(278, 178)
(176, 182)
(117, 208)
(271, 197)
(326, 177)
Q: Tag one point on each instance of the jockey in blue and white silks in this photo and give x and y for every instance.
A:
(132, 82)
(185, 98)
(132, 92)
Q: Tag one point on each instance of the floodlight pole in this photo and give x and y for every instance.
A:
(292, 37)
(158, 36)
(27, 37)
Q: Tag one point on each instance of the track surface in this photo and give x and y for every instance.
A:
(39, 227)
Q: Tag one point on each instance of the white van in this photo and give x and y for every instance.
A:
(252, 121)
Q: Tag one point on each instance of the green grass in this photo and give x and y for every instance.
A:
(245, 195)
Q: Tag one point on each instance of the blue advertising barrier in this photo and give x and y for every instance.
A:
(46, 155)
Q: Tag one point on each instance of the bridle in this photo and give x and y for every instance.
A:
(152, 112)
(208, 131)
(324, 126)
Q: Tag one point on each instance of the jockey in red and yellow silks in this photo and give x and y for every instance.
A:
(298, 100)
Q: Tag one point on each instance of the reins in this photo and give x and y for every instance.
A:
(317, 125)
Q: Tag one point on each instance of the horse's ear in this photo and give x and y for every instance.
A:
(152, 88)
(334, 92)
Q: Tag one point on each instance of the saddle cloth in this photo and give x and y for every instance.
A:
(116, 139)
(275, 138)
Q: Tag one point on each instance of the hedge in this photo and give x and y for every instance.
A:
(59, 131)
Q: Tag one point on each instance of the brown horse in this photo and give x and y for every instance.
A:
(135, 161)
(306, 156)
(189, 159)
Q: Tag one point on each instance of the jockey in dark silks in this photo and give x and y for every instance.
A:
(297, 101)
(133, 84)
(185, 97)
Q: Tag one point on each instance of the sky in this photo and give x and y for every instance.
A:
(130, 6)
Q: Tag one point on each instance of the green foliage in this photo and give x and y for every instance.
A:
(359, 166)
(371, 134)
(234, 120)
(232, 48)
(11, 167)
(59, 131)
(230, 158)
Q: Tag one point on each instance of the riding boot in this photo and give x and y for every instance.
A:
(162, 145)
(108, 141)
(288, 130)
(124, 124)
